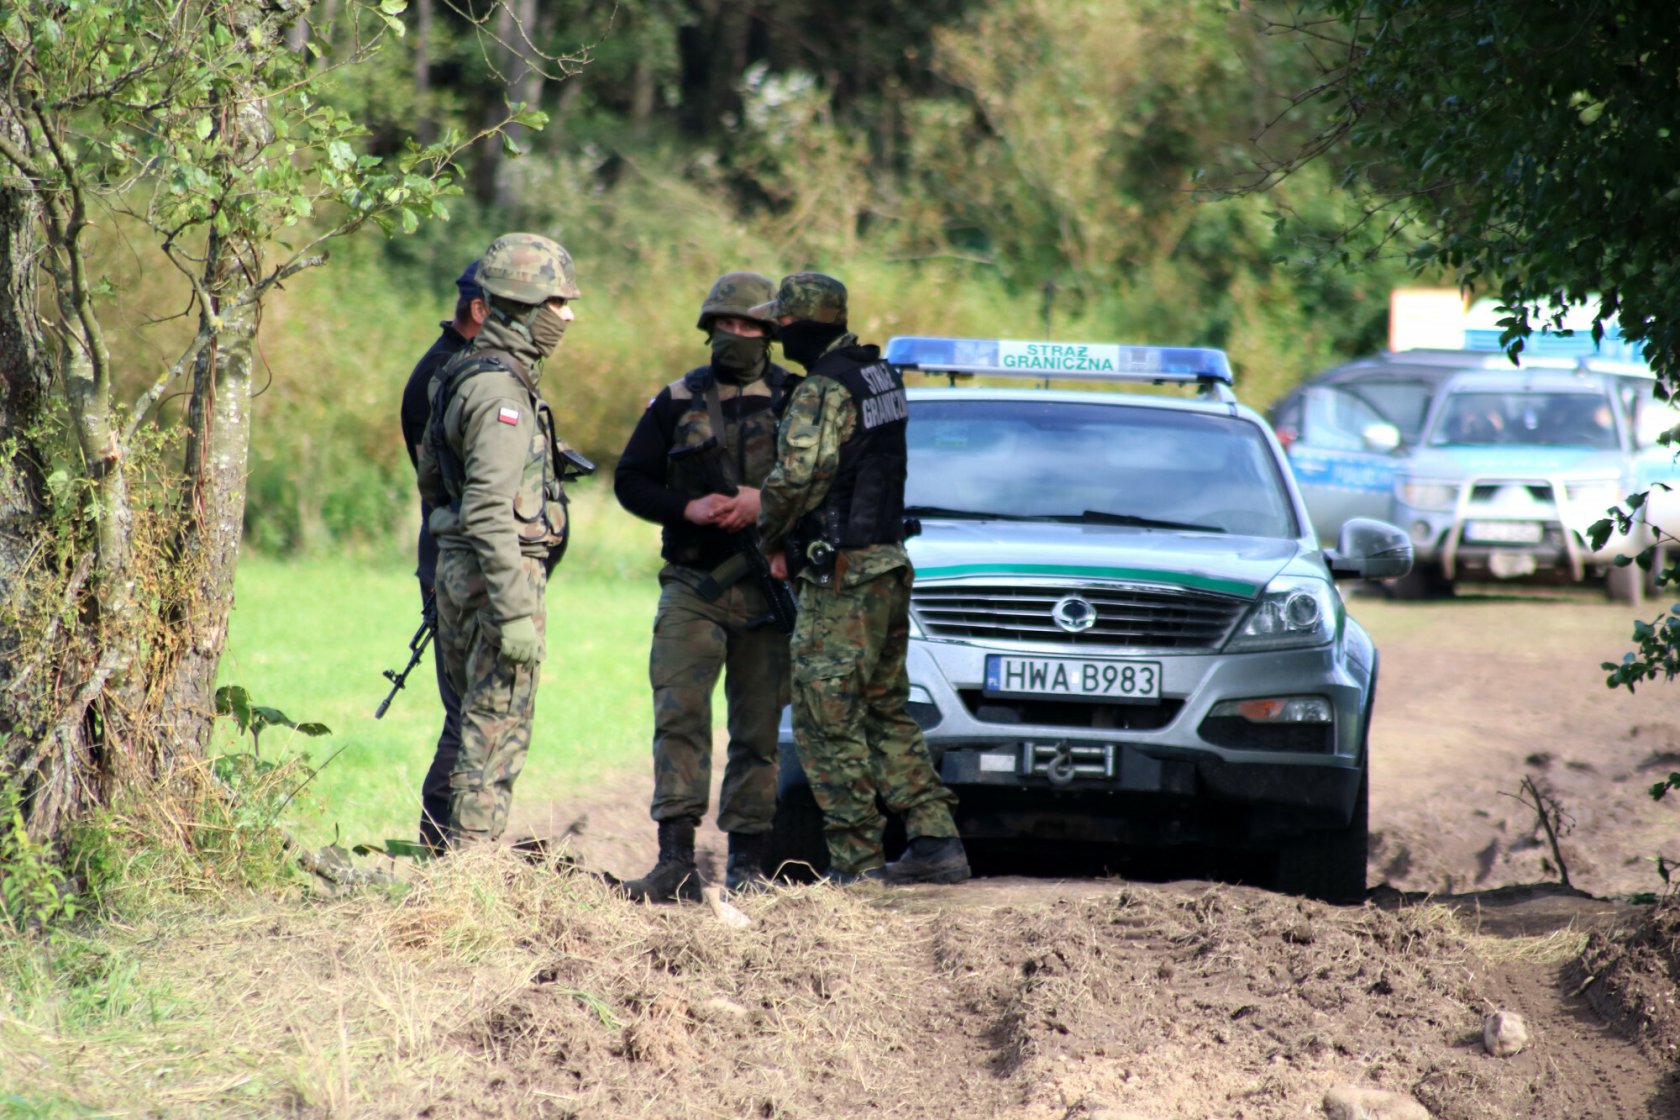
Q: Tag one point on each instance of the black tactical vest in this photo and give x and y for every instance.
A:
(711, 454)
(865, 503)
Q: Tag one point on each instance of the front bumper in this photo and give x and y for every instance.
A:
(1509, 527)
(1152, 774)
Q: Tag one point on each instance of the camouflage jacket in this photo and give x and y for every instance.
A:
(511, 502)
(821, 415)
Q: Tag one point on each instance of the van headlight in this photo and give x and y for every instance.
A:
(1426, 493)
(1292, 611)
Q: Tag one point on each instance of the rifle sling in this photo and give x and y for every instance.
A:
(723, 577)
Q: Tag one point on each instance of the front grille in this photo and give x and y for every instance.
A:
(1126, 617)
(1070, 713)
(1485, 491)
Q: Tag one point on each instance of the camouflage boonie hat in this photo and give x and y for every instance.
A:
(737, 295)
(527, 268)
(807, 295)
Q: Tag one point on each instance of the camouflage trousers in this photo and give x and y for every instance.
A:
(498, 698)
(693, 641)
(855, 740)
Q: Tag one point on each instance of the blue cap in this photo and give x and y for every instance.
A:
(467, 283)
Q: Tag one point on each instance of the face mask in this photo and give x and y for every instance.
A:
(805, 340)
(738, 358)
(546, 327)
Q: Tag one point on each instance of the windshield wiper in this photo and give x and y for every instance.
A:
(1103, 517)
(1091, 516)
(965, 514)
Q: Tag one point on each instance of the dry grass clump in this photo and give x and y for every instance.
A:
(369, 1007)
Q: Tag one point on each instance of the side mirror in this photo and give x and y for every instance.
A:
(1381, 436)
(1369, 549)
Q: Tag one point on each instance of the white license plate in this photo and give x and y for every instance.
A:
(1504, 532)
(1008, 675)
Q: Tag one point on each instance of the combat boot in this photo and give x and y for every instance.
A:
(675, 878)
(930, 859)
(745, 869)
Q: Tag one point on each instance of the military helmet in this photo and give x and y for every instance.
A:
(735, 295)
(527, 268)
(807, 295)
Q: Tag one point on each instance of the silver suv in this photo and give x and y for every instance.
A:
(1124, 629)
(1512, 469)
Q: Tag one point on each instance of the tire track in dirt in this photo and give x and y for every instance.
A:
(1587, 1069)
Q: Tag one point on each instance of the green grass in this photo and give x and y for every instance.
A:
(312, 636)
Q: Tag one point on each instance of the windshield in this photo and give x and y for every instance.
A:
(1524, 419)
(1401, 403)
(1095, 463)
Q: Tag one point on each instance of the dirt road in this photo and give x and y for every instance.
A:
(1058, 999)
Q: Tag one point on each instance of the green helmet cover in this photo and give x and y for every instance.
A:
(527, 268)
(736, 295)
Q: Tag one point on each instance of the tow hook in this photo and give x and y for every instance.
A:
(1061, 770)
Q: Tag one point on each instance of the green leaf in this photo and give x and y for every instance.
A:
(531, 118)
(204, 127)
(232, 700)
(270, 717)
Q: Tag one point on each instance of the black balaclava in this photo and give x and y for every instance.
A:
(806, 340)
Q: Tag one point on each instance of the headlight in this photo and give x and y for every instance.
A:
(1426, 493)
(1596, 494)
(1293, 611)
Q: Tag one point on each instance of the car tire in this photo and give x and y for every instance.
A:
(1424, 581)
(1625, 585)
(1329, 864)
(797, 851)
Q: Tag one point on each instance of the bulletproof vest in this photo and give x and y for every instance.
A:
(865, 503)
(714, 454)
(539, 506)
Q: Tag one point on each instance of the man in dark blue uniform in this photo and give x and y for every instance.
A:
(470, 311)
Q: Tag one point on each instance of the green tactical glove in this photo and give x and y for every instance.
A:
(520, 643)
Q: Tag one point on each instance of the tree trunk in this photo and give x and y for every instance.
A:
(25, 376)
(212, 520)
(425, 128)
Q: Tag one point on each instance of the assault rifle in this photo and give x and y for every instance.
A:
(784, 608)
(417, 647)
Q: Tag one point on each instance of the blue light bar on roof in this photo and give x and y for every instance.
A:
(1080, 361)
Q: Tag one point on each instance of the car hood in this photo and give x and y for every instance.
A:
(1539, 462)
(1218, 562)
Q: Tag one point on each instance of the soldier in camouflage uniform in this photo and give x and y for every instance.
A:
(490, 469)
(833, 507)
(693, 465)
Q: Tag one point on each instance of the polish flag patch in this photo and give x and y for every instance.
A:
(508, 415)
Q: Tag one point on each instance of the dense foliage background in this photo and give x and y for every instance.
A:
(994, 167)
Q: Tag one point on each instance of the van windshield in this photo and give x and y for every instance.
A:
(1524, 419)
